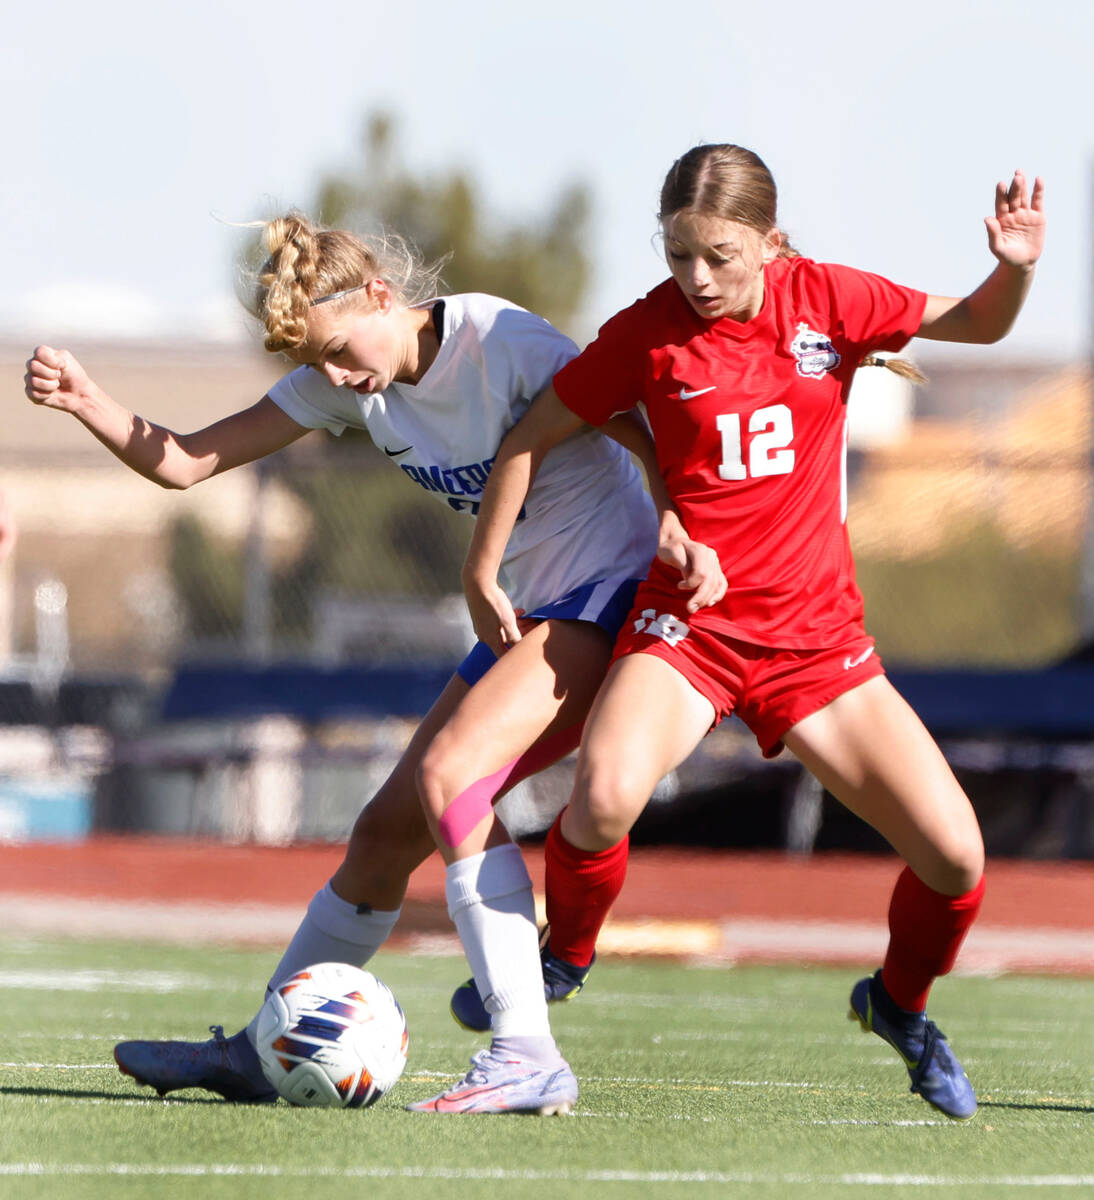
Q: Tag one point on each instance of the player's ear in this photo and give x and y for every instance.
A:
(380, 294)
(772, 244)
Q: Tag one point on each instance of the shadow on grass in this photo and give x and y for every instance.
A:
(73, 1094)
(1041, 1106)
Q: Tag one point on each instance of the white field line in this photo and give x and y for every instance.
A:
(421, 1075)
(89, 980)
(902, 1124)
(424, 1076)
(143, 1100)
(500, 1174)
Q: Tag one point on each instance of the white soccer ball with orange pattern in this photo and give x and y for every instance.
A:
(332, 1036)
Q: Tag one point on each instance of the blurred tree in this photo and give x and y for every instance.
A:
(374, 534)
(978, 601)
(542, 266)
(207, 573)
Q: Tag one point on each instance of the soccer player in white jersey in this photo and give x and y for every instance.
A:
(437, 383)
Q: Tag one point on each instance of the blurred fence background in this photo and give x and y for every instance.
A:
(247, 659)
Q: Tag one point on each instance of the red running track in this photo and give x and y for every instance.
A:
(662, 884)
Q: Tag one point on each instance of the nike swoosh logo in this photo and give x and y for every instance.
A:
(850, 662)
(686, 395)
(396, 453)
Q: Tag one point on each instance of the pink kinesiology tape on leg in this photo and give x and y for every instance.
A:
(471, 806)
(474, 803)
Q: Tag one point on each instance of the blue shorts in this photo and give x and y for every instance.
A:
(604, 602)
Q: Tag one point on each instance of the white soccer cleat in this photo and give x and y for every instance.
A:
(501, 1085)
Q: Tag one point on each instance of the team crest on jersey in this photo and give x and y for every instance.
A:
(814, 352)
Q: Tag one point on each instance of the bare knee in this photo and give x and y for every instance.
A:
(965, 870)
(604, 806)
(436, 779)
(957, 865)
(397, 834)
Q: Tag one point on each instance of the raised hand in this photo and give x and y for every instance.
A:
(55, 379)
(1016, 233)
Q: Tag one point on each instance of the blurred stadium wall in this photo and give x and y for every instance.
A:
(969, 505)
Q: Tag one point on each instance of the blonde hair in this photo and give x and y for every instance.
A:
(899, 366)
(727, 181)
(307, 263)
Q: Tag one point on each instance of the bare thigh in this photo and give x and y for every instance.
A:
(646, 720)
(871, 751)
(538, 689)
(391, 836)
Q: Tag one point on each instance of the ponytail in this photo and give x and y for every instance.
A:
(899, 366)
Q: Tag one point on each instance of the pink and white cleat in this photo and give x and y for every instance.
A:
(497, 1084)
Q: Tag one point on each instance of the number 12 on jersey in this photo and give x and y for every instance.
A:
(771, 430)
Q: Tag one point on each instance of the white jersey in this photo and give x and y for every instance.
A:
(587, 516)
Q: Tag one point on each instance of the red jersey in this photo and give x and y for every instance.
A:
(750, 423)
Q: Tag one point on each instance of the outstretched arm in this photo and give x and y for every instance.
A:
(54, 379)
(1016, 236)
(700, 570)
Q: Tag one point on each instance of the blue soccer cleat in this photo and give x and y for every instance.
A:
(228, 1066)
(499, 1084)
(561, 981)
(936, 1074)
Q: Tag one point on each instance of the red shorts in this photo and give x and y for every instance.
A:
(770, 690)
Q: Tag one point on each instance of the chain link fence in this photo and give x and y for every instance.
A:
(969, 512)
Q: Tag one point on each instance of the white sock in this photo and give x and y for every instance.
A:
(332, 931)
(490, 900)
(539, 1050)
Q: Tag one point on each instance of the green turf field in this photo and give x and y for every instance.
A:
(696, 1081)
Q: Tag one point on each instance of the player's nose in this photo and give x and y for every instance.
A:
(336, 375)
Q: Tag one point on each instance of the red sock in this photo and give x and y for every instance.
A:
(926, 930)
(581, 887)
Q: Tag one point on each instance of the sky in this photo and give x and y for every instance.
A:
(134, 133)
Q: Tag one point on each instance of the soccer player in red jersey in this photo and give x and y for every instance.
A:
(743, 360)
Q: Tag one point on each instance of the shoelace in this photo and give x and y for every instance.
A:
(479, 1063)
(934, 1041)
(477, 1074)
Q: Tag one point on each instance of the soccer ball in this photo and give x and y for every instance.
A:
(332, 1036)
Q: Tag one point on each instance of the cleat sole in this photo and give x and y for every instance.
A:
(561, 1109)
(556, 1110)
